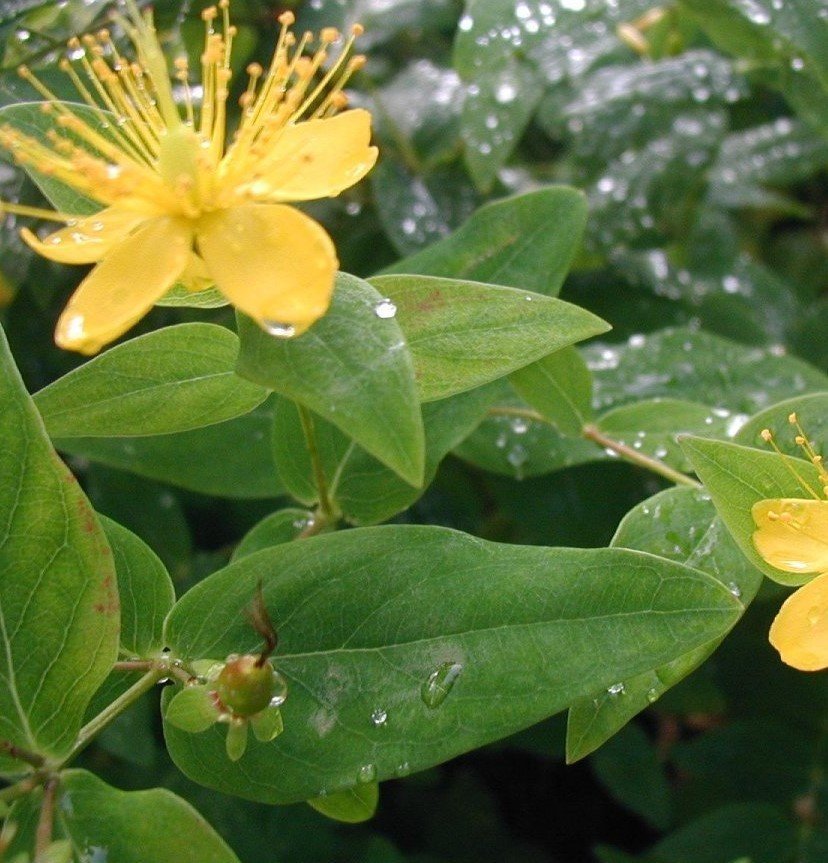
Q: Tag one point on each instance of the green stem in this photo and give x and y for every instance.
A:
(115, 709)
(24, 786)
(326, 507)
(593, 433)
(45, 824)
(21, 754)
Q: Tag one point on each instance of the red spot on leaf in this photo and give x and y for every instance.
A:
(435, 300)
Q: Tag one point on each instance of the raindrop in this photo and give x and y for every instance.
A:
(385, 309)
(367, 773)
(734, 589)
(465, 23)
(616, 689)
(519, 425)
(505, 92)
(280, 690)
(379, 717)
(652, 695)
(439, 683)
(574, 5)
(403, 769)
(279, 330)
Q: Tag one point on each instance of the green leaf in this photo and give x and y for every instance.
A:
(463, 334)
(192, 709)
(365, 490)
(152, 826)
(512, 445)
(145, 588)
(171, 380)
(58, 599)
(762, 833)
(276, 528)
(368, 617)
(351, 806)
(678, 524)
(30, 119)
(630, 770)
(526, 241)
(353, 368)
(736, 478)
(559, 386)
(652, 427)
(812, 413)
(696, 366)
(230, 459)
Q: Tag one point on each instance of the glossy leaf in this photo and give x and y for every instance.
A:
(736, 478)
(678, 524)
(145, 589)
(463, 334)
(172, 380)
(697, 366)
(152, 826)
(58, 598)
(526, 241)
(353, 368)
(365, 490)
(241, 447)
(560, 387)
(276, 528)
(351, 806)
(366, 657)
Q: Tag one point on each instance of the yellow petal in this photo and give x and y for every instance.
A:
(272, 262)
(124, 285)
(195, 276)
(88, 240)
(317, 158)
(800, 630)
(792, 534)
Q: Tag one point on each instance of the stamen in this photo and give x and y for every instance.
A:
(767, 436)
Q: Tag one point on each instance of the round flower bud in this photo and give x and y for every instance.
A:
(246, 688)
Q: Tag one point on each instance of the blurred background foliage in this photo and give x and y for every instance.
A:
(698, 132)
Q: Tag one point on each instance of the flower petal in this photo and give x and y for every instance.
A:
(124, 285)
(272, 262)
(88, 240)
(792, 534)
(800, 630)
(317, 158)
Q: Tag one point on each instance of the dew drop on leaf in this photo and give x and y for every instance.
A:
(439, 683)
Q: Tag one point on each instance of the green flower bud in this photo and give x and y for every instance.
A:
(245, 687)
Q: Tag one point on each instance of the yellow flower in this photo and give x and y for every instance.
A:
(792, 535)
(179, 202)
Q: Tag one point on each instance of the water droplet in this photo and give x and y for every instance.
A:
(279, 330)
(652, 695)
(439, 683)
(616, 689)
(379, 717)
(505, 92)
(734, 589)
(280, 690)
(465, 23)
(814, 615)
(403, 769)
(519, 425)
(385, 309)
(367, 773)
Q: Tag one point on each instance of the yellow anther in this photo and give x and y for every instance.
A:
(287, 19)
(328, 34)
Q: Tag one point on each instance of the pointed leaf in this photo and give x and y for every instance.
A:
(464, 334)
(152, 826)
(351, 806)
(526, 241)
(58, 598)
(521, 630)
(168, 381)
(353, 368)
